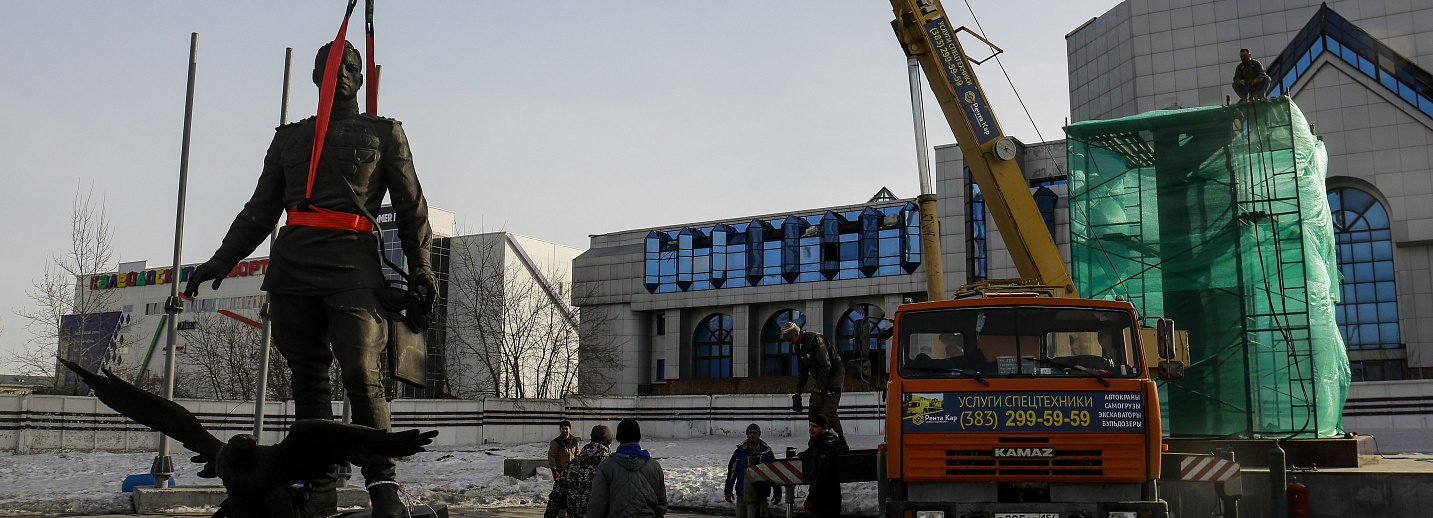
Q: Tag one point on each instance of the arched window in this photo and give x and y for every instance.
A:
(1368, 312)
(778, 357)
(846, 333)
(712, 344)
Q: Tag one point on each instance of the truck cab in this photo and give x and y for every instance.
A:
(1021, 406)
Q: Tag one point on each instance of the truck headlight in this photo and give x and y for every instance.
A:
(1124, 514)
(930, 514)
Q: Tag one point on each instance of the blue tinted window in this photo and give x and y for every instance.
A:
(975, 234)
(875, 241)
(1368, 312)
(1046, 200)
(1329, 31)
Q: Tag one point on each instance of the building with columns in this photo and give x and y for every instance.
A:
(695, 308)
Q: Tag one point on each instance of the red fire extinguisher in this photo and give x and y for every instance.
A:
(1298, 500)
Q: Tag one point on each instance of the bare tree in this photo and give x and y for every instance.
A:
(221, 361)
(62, 302)
(508, 335)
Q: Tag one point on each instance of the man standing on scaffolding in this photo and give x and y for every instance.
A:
(818, 357)
(1250, 80)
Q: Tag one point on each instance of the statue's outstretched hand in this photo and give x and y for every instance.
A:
(210, 270)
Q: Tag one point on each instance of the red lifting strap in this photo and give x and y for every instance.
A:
(325, 96)
(322, 217)
(311, 216)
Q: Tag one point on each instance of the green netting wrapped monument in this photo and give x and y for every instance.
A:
(1218, 218)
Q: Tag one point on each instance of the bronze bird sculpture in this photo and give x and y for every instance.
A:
(258, 480)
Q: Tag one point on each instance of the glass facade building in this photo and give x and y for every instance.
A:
(871, 242)
(437, 334)
(707, 300)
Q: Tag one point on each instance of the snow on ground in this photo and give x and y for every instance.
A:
(89, 482)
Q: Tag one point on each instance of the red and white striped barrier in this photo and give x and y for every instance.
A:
(1208, 469)
(781, 472)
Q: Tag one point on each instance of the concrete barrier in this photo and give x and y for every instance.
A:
(38, 423)
(523, 469)
(148, 500)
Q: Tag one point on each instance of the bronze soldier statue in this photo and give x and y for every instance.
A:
(324, 274)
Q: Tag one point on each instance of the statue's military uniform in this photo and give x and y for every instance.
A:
(324, 272)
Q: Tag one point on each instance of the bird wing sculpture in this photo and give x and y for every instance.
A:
(324, 442)
(150, 410)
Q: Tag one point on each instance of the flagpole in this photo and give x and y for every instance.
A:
(163, 467)
(262, 392)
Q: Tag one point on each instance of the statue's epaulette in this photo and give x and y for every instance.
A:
(373, 117)
(294, 124)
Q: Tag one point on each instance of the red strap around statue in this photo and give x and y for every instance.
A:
(321, 217)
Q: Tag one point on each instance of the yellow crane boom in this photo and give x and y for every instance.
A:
(925, 32)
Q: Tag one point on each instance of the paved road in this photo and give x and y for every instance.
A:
(536, 512)
(496, 512)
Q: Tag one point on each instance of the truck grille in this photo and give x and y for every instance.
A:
(1082, 457)
(1065, 462)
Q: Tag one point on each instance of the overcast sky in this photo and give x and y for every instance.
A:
(551, 119)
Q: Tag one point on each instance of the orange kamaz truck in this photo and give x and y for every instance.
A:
(1016, 405)
(1016, 399)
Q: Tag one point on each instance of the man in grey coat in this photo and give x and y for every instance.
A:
(628, 483)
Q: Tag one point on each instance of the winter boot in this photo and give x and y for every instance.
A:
(383, 497)
(319, 497)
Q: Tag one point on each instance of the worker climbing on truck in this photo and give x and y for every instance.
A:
(815, 356)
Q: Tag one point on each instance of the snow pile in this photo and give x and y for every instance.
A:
(76, 483)
(89, 483)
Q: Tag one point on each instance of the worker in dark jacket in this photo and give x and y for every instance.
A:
(629, 483)
(750, 498)
(819, 358)
(823, 498)
(1250, 80)
(560, 452)
(324, 274)
(572, 489)
(562, 449)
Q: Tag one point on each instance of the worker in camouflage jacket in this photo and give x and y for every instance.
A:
(575, 484)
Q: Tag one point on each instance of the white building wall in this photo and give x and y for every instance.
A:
(500, 251)
(142, 309)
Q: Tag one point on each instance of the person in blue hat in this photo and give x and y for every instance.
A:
(750, 498)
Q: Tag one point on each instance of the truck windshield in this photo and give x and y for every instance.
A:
(1018, 341)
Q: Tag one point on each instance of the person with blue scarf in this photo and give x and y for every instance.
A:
(750, 498)
(628, 483)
